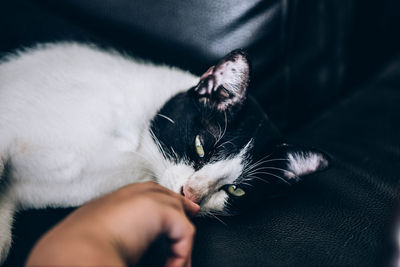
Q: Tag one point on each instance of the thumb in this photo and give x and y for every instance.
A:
(190, 207)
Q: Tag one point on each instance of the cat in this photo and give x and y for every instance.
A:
(77, 121)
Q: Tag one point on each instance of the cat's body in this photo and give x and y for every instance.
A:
(77, 122)
(80, 124)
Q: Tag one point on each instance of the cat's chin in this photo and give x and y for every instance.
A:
(214, 204)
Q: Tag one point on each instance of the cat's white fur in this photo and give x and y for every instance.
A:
(7, 207)
(78, 116)
(302, 163)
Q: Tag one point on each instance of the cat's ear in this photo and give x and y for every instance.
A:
(224, 85)
(300, 161)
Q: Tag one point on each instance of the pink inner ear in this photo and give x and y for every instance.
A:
(225, 84)
(232, 72)
(233, 75)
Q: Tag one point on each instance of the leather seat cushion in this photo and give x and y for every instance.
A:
(341, 217)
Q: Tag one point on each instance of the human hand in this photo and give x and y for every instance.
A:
(116, 229)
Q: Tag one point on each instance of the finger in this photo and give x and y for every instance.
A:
(180, 252)
(190, 207)
(189, 262)
(181, 233)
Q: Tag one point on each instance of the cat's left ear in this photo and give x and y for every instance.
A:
(300, 161)
(224, 85)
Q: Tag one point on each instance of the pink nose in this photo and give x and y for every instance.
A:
(190, 194)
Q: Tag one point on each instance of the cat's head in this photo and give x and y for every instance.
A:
(219, 148)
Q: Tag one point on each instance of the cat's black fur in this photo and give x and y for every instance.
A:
(245, 120)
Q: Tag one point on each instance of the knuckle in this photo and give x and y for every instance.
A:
(124, 191)
(149, 184)
(152, 187)
(177, 204)
(174, 206)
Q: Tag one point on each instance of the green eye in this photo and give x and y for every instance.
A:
(198, 146)
(235, 191)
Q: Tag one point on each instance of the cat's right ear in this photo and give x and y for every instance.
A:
(224, 85)
(301, 161)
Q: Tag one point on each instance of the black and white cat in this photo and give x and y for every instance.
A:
(77, 122)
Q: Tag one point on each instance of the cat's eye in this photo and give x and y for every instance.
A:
(199, 146)
(236, 191)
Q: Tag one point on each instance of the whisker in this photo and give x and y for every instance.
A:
(247, 184)
(268, 167)
(257, 178)
(222, 213)
(265, 157)
(218, 219)
(175, 154)
(253, 166)
(218, 138)
(260, 161)
(158, 144)
(277, 176)
(166, 117)
(225, 127)
(279, 169)
(270, 160)
(224, 143)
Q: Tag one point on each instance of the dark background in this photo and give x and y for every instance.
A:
(327, 73)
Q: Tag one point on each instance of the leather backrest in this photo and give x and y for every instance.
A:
(305, 54)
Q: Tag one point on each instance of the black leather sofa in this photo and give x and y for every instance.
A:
(327, 73)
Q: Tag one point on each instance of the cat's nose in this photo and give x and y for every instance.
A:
(190, 194)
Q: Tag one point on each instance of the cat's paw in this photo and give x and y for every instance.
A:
(7, 208)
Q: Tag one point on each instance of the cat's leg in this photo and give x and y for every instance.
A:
(7, 208)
